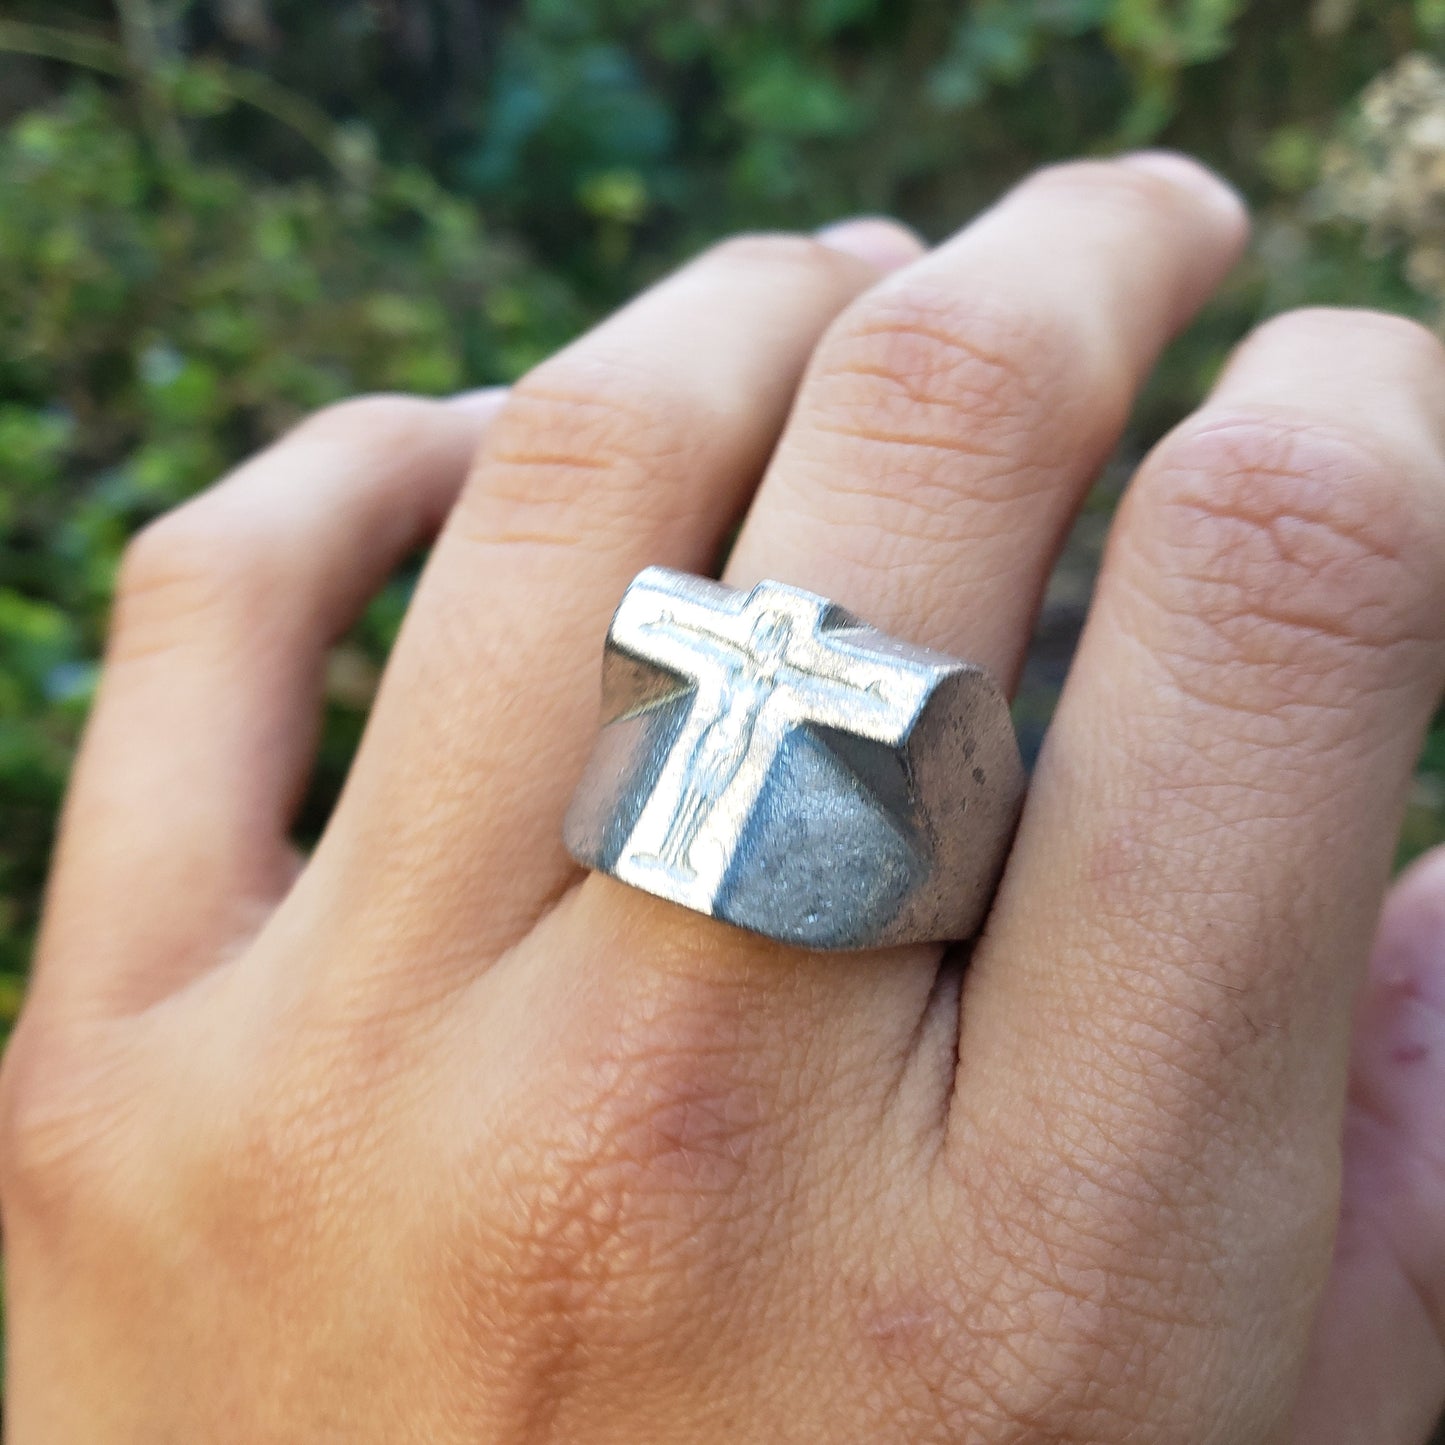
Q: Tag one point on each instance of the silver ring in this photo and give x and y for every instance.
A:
(770, 760)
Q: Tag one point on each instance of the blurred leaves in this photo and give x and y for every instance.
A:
(1387, 170)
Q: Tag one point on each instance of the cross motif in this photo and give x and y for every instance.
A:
(758, 667)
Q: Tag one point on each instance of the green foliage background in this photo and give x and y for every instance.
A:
(216, 215)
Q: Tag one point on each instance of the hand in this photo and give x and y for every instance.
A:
(433, 1139)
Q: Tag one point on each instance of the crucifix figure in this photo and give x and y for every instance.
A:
(751, 673)
(779, 661)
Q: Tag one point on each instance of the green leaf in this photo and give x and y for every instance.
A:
(781, 96)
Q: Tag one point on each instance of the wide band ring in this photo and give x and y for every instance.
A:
(770, 760)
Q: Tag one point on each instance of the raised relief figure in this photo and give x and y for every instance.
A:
(749, 676)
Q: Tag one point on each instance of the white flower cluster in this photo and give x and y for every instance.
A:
(1389, 171)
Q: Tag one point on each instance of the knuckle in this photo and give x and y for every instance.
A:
(950, 393)
(913, 352)
(598, 407)
(172, 546)
(637, 1182)
(990, 384)
(192, 567)
(579, 450)
(1286, 542)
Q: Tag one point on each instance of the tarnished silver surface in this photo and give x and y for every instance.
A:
(767, 758)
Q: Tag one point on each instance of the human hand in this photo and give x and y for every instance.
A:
(433, 1139)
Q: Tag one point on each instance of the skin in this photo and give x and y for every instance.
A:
(434, 1139)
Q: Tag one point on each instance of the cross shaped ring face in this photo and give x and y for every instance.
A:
(768, 759)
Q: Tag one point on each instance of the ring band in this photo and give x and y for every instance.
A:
(770, 760)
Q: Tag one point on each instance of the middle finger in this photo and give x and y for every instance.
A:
(953, 418)
(946, 430)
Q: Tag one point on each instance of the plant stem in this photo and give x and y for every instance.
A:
(248, 87)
